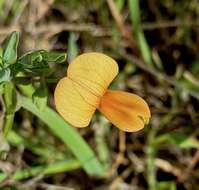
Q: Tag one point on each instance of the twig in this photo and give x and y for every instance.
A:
(140, 63)
(120, 156)
(158, 74)
(168, 24)
(54, 28)
(138, 163)
(53, 187)
(167, 167)
(114, 185)
(94, 29)
(122, 141)
(29, 184)
(193, 162)
(43, 7)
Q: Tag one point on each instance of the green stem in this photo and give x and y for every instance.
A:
(8, 123)
(9, 98)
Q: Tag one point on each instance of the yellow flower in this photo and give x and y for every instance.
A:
(85, 89)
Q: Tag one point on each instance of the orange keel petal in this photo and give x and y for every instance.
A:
(126, 111)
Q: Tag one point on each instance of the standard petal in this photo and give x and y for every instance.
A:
(126, 111)
(93, 71)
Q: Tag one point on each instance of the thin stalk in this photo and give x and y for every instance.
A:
(151, 155)
(9, 98)
(8, 123)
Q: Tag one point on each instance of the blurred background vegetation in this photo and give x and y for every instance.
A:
(156, 44)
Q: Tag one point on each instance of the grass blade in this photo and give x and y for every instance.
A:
(136, 22)
(69, 136)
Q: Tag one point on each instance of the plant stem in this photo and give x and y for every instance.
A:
(8, 123)
(10, 101)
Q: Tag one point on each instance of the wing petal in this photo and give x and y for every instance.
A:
(126, 111)
(74, 103)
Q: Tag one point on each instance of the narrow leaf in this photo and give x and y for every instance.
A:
(5, 75)
(55, 57)
(140, 37)
(10, 48)
(179, 139)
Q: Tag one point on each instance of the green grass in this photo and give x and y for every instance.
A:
(68, 135)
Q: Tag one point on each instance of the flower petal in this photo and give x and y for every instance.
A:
(126, 111)
(94, 71)
(74, 103)
(78, 95)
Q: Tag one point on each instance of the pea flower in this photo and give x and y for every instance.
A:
(85, 89)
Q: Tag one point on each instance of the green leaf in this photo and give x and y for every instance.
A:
(32, 63)
(10, 48)
(166, 185)
(120, 4)
(15, 139)
(40, 96)
(31, 57)
(55, 57)
(37, 62)
(179, 139)
(5, 75)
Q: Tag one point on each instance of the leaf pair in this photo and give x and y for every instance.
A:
(84, 89)
(8, 56)
(37, 62)
(9, 53)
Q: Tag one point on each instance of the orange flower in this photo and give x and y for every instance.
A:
(85, 89)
